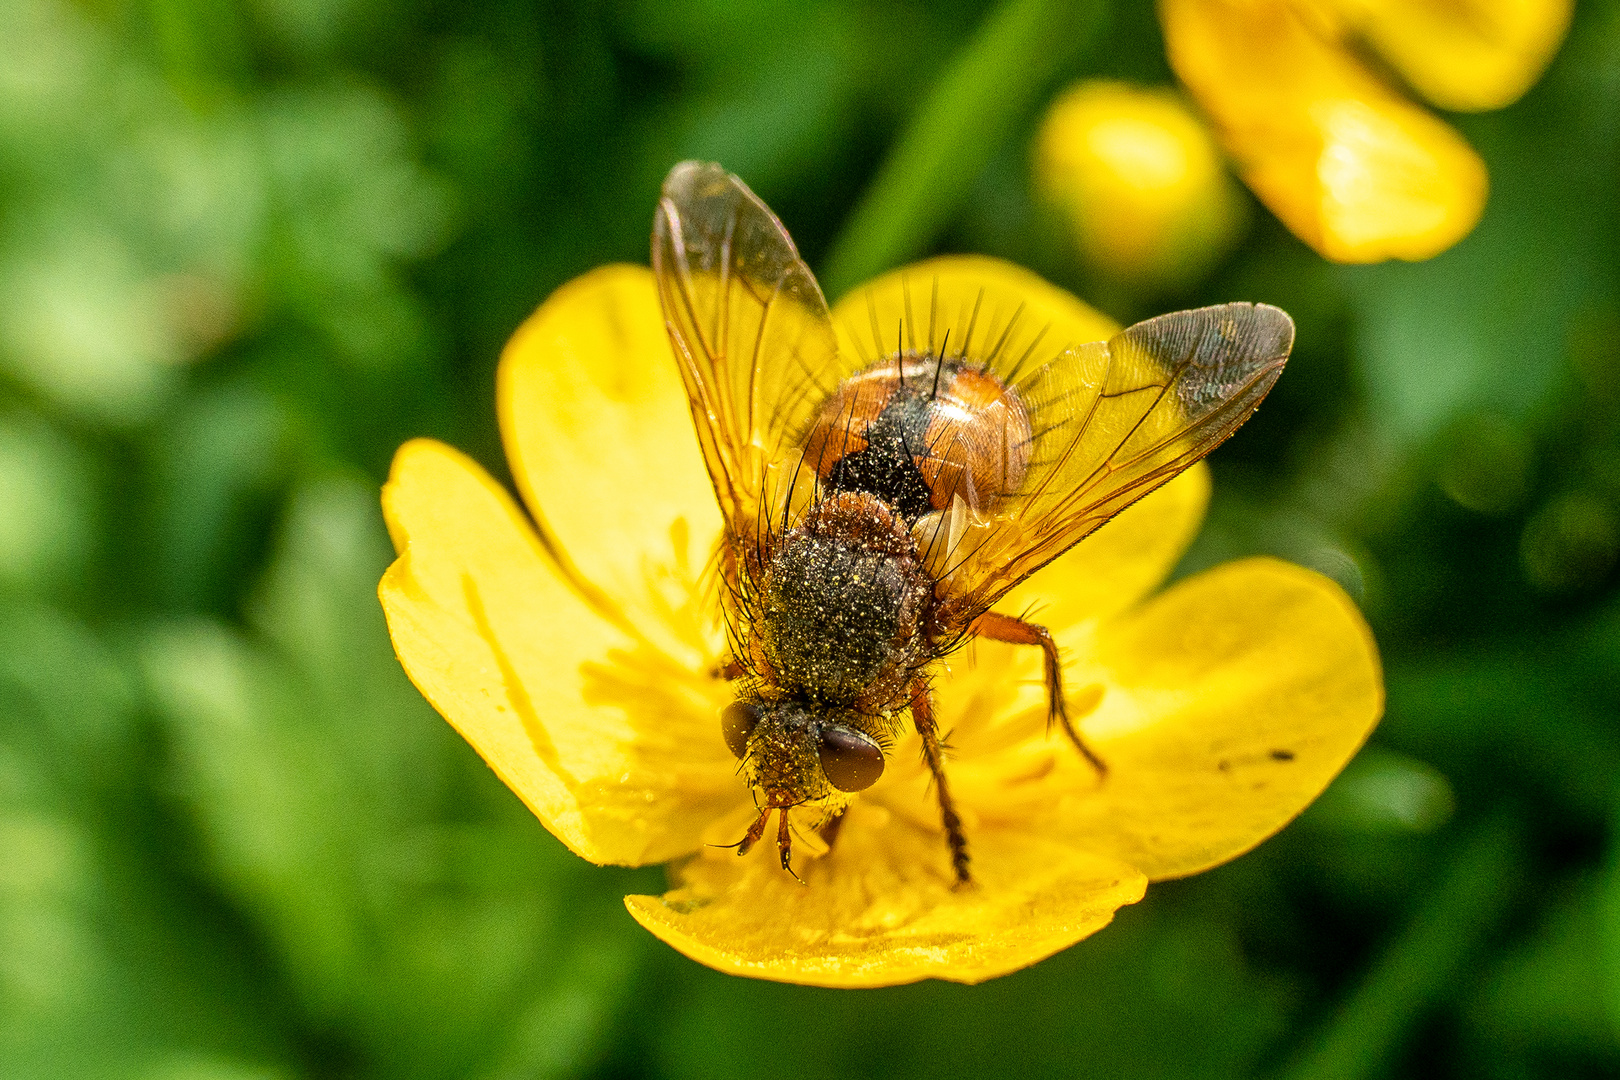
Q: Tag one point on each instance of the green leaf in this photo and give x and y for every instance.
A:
(983, 95)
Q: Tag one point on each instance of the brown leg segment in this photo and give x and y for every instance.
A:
(922, 715)
(784, 843)
(999, 627)
(755, 831)
(784, 839)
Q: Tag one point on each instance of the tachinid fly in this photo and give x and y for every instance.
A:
(883, 486)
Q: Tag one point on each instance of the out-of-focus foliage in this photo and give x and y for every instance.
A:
(247, 247)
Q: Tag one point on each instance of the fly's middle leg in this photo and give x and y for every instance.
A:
(999, 627)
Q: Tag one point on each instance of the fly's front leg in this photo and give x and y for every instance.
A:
(999, 627)
(922, 715)
(784, 844)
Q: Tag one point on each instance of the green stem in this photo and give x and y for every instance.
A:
(984, 95)
(1609, 914)
(1419, 968)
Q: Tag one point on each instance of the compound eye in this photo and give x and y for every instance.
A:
(851, 760)
(737, 722)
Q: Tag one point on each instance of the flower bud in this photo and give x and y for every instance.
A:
(1138, 179)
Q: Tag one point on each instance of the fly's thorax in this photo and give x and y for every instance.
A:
(843, 603)
(795, 751)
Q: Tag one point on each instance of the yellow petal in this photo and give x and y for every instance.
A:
(601, 445)
(973, 297)
(1351, 168)
(880, 909)
(1138, 178)
(1465, 55)
(1117, 565)
(1228, 704)
(616, 750)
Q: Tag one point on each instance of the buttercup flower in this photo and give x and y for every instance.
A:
(1139, 179)
(576, 649)
(1348, 163)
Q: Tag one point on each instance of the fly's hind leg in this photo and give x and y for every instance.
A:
(922, 715)
(999, 627)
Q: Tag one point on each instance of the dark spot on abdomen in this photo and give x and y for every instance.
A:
(887, 465)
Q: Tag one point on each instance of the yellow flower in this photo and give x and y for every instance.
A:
(575, 651)
(1349, 164)
(1139, 179)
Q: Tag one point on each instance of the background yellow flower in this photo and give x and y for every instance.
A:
(1326, 141)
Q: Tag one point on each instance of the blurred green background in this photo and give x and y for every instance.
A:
(247, 247)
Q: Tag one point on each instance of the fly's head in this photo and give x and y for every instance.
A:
(795, 752)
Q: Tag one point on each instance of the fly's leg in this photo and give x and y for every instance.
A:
(784, 839)
(755, 831)
(784, 843)
(922, 715)
(999, 627)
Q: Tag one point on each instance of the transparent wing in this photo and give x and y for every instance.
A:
(749, 327)
(1112, 421)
